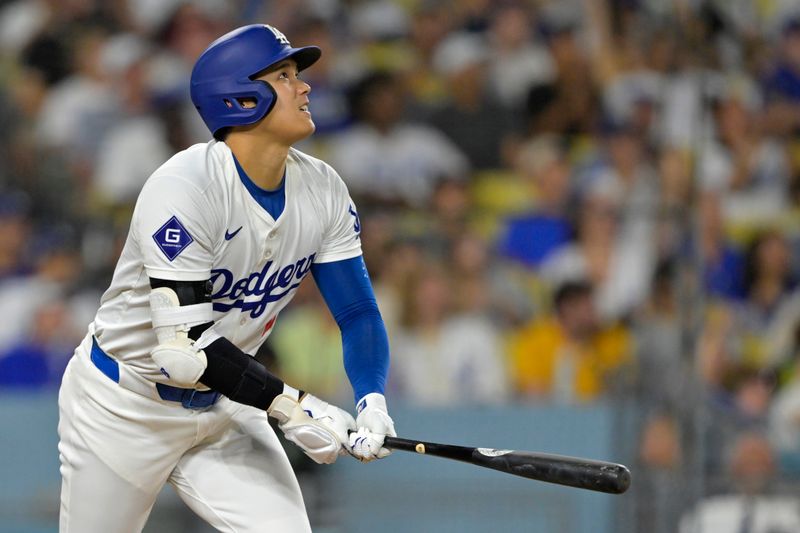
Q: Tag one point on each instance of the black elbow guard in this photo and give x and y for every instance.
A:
(189, 292)
(238, 376)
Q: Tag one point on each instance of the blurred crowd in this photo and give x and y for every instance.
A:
(567, 201)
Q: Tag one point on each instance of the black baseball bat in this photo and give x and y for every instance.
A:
(576, 472)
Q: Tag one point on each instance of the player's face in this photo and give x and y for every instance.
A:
(290, 119)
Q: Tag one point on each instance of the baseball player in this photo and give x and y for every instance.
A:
(164, 387)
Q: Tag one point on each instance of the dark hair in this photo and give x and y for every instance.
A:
(571, 290)
(48, 55)
(223, 133)
(752, 268)
(361, 90)
(738, 374)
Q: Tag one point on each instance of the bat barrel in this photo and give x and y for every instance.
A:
(599, 476)
(576, 472)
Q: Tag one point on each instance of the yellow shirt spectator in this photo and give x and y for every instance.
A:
(568, 357)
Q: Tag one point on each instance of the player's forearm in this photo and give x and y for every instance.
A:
(238, 376)
(366, 350)
(347, 290)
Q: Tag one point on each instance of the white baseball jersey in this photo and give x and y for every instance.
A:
(195, 220)
(120, 441)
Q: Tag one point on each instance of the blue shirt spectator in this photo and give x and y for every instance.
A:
(530, 238)
(724, 277)
(24, 366)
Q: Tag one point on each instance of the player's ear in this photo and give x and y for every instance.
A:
(247, 102)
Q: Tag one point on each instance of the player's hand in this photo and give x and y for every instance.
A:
(373, 423)
(318, 428)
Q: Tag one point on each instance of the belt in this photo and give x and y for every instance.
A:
(189, 398)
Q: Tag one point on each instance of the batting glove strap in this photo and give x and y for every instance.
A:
(338, 420)
(373, 423)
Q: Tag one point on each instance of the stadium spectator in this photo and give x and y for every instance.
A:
(784, 419)
(622, 165)
(674, 202)
(782, 83)
(137, 143)
(81, 107)
(430, 23)
(619, 266)
(569, 356)
(748, 169)
(748, 504)
(567, 106)
(661, 362)
(479, 127)
(723, 262)
(14, 232)
(768, 284)
(386, 159)
(38, 359)
(529, 237)
(519, 61)
(658, 499)
(443, 359)
(741, 403)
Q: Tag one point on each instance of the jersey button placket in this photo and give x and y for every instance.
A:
(269, 252)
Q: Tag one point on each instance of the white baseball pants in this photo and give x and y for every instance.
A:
(118, 448)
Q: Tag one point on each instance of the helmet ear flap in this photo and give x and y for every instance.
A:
(270, 99)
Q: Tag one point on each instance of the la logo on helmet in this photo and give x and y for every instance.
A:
(278, 35)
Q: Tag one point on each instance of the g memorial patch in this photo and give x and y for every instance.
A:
(172, 238)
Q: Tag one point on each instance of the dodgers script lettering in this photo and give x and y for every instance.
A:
(269, 287)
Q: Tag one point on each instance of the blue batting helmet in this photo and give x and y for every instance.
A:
(223, 74)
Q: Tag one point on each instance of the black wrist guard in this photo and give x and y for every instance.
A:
(238, 376)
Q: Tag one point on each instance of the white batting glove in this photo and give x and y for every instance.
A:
(373, 423)
(318, 428)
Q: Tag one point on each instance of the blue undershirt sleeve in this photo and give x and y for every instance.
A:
(347, 291)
